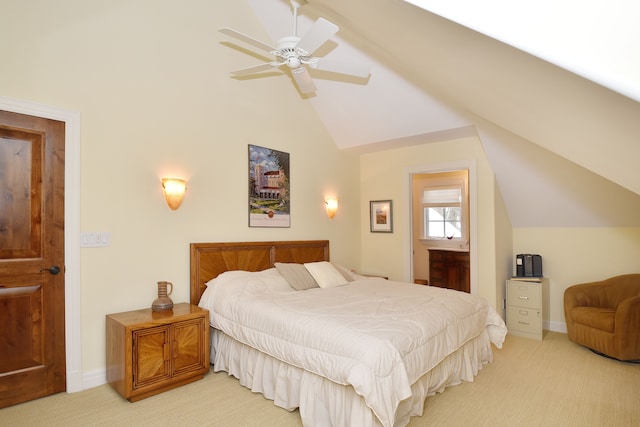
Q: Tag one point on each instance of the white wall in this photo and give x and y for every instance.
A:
(150, 80)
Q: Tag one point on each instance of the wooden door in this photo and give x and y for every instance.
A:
(32, 330)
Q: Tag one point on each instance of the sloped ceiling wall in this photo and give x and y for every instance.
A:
(547, 190)
(593, 39)
(514, 100)
(434, 80)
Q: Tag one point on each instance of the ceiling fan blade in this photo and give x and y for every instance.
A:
(303, 80)
(256, 69)
(247, 39)
(318, 34)
(335, 66)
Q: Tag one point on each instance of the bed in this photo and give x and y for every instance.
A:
(359, 350)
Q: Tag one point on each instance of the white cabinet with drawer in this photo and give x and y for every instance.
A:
(525, 306)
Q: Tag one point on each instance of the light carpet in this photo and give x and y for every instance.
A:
(530, 383)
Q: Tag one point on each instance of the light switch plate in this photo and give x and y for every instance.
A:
(99, 239)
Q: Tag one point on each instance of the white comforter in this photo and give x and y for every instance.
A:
(376, 335)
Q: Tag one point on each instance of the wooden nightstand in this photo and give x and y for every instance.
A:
(150, 352)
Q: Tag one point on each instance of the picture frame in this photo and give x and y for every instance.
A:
(381, 216)
(269, 200)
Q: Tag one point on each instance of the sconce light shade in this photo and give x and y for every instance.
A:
(332, 207)
(174, 189)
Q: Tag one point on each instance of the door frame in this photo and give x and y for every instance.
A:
(469, 165)
(73, 319)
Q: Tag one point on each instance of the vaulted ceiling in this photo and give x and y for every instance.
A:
(554, 138)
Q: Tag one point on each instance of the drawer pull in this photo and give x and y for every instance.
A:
(523, 297)
(523, 323)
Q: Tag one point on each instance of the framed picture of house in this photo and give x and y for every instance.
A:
(381, 216)
(269, 199)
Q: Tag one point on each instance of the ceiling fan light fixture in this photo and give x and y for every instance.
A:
(293, 63)
(295, 52)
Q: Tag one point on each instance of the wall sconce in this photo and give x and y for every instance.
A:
(173, 189)
(332, 207)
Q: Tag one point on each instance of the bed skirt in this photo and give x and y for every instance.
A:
(323, 402)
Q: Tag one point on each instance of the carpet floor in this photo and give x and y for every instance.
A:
(530, 383)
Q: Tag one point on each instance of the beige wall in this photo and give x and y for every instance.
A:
(151, 82)
(504, 263)
(385, 175)
(578, 255)
(156, 99)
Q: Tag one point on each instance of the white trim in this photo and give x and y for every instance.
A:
(73, 319)
(94, 378)
(469, 165)
(554, 326)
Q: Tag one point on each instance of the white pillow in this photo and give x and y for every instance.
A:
(325, 274)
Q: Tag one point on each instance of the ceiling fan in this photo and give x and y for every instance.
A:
(295, 53)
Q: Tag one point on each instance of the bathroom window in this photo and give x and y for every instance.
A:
(445, 215)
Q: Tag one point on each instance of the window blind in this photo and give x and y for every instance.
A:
(439, 196)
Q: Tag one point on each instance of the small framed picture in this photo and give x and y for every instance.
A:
(381, 216)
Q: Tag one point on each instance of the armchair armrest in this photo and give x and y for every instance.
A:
(627, 325)
(574, 296)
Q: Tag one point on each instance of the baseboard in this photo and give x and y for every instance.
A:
(74, 381)
(555, 326)
(94, 378)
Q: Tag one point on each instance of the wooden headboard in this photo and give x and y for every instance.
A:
(210, 259)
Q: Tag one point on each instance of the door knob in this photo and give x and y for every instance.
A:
(53, 270)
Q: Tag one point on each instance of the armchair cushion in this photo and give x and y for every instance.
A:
(595, 317)
(605, 316)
